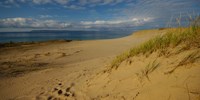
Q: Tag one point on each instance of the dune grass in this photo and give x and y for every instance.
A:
(191, 58)
(149, 69)
(190, 36)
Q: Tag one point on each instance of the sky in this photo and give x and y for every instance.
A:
(19, 15)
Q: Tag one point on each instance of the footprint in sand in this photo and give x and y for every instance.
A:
(60, 93)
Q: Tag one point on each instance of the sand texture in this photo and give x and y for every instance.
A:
(80, 70)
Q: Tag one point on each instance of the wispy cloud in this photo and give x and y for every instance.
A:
(100, 2)
(9, 3)
(51, 16)
(41, 1)
(71, 4)
(45, 16)
(160, 8)
(74, 7)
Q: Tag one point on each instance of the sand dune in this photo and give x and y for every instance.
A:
(78, 70)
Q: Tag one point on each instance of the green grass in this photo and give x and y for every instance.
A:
(189, 36)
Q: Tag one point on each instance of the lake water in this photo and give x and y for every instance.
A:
(60, 35)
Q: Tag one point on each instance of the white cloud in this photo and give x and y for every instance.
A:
(9, 3)
(134, 21)
(52, 16)
(45, 16)
(14, 22)
(31, 23)
(23, 1)
(62, 1)
(74, 7)
(102, 22)
(105, 2)
(41, 1)
(36, 23)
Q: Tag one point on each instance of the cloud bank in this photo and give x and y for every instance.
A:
(31, 23)
(98, 24)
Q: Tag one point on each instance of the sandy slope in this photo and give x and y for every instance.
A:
(78, 70)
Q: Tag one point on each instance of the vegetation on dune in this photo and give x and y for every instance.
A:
(189, 36)
(191, 58)
(147, 70)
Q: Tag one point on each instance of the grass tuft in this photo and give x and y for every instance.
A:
(191, 58)
(148, 69)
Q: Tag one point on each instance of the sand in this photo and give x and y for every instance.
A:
(79, 70)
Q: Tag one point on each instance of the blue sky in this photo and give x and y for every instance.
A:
(93, 14)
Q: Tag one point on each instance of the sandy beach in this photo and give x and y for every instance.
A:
(79, 70)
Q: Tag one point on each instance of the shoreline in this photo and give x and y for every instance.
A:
(53, 36)
(66, 40)
(42, 51)
(14, 44)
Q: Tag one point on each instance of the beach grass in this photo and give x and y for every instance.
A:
(190, 58)
(188, 36)
(148, 69)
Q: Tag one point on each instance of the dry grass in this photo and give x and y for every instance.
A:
(189, 36)
(148, 69)
(191, 58)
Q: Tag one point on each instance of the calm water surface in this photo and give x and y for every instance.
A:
(60, 35)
